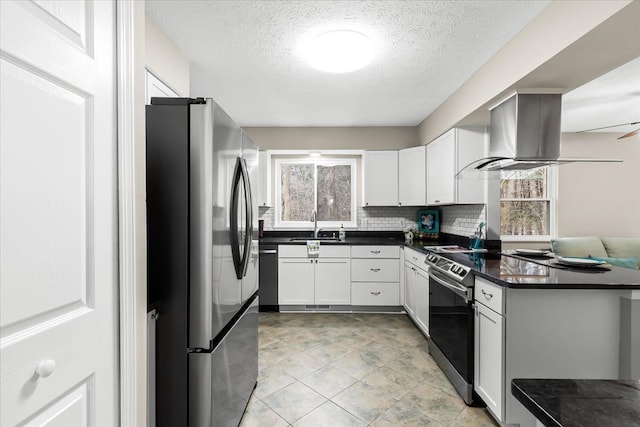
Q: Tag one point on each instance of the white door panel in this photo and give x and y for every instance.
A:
(71, 410)
(58, 251)
(45, 243)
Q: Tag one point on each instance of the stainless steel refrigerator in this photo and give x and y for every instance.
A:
(202, 235)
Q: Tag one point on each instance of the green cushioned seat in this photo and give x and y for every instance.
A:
(580, 247)
(622, 247)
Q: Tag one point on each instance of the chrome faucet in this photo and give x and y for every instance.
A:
(314, 218)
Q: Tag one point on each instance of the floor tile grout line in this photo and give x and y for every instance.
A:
(357, 327)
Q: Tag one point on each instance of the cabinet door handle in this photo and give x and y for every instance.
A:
(437, 201)
(46, 368)
(375, 252)
(375, 293)
(487, 295)
(316, 261)
(414, 258)
(375, 270)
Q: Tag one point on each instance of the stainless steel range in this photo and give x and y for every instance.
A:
(451, 321)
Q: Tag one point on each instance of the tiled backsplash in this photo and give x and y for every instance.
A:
(461, 220)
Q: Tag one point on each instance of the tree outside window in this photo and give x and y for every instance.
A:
(525, 203)
(327, 186)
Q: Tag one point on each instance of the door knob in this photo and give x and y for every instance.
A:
(46, 368)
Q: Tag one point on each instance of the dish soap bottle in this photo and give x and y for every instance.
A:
(341, 233)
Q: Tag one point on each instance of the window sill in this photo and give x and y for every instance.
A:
(526, 238)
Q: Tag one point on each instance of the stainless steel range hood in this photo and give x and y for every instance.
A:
(525, 134)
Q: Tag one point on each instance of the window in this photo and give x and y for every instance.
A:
(305, 185)
(526, 204)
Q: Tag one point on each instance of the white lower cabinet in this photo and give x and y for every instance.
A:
(332, 281)
(323, 280)
(416, 289)
(296, 281)
(410, 289)
(375, 293)
(489, 359)
(375, 275)
(422, 300)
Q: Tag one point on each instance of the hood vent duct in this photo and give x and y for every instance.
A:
(524, 134)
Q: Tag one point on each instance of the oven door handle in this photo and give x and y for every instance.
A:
(463, 291)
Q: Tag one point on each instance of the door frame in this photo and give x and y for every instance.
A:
(131, 212)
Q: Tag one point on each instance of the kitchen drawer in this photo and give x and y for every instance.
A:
(375, 252)
(375, 270)
(489, 294)
(416, 258)
(366, 293)
(326, 251)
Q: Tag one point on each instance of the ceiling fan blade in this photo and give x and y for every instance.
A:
(627, 135)
(607, 127)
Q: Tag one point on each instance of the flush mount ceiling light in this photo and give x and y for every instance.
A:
(314, 154)
(340, 51)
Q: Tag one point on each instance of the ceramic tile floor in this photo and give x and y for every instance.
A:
(347, 369)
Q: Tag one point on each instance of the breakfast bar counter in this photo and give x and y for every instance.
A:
(584, 403)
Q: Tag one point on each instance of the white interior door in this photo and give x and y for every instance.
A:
(58, 222)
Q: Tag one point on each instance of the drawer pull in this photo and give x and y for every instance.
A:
(375, 252)
(487, 295)
(415, 258)
(46, 368)
(375, 293)
(375, 270)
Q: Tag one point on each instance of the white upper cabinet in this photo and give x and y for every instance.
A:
(412, 178)
(381, 178)
(264, 186)
(446, 156)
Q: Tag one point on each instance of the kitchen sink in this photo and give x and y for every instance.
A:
(322, 239)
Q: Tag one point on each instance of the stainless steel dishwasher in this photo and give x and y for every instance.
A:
(268, 292)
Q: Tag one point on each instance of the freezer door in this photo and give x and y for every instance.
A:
(221, 382)
(215, 295)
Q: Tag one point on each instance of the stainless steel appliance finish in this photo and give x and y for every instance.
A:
(525, 134)
(458, 272)
(451, 321)
(202, 261)
(268, 278)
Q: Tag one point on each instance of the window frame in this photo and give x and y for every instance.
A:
(552, 191)
(322, 161)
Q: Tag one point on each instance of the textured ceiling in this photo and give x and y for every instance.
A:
(248, 55)
(611, 99)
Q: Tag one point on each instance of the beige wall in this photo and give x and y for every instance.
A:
(554, 51)
(599, 199)
(165, 60)
(596, 199)
(334, 138)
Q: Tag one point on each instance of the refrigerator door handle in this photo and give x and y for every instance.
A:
(248, 216)
(240, 177)
(233, 218)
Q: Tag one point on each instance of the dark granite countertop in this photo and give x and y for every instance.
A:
(510, 272)
(356, 238)
(494, 266)
(580, 403)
